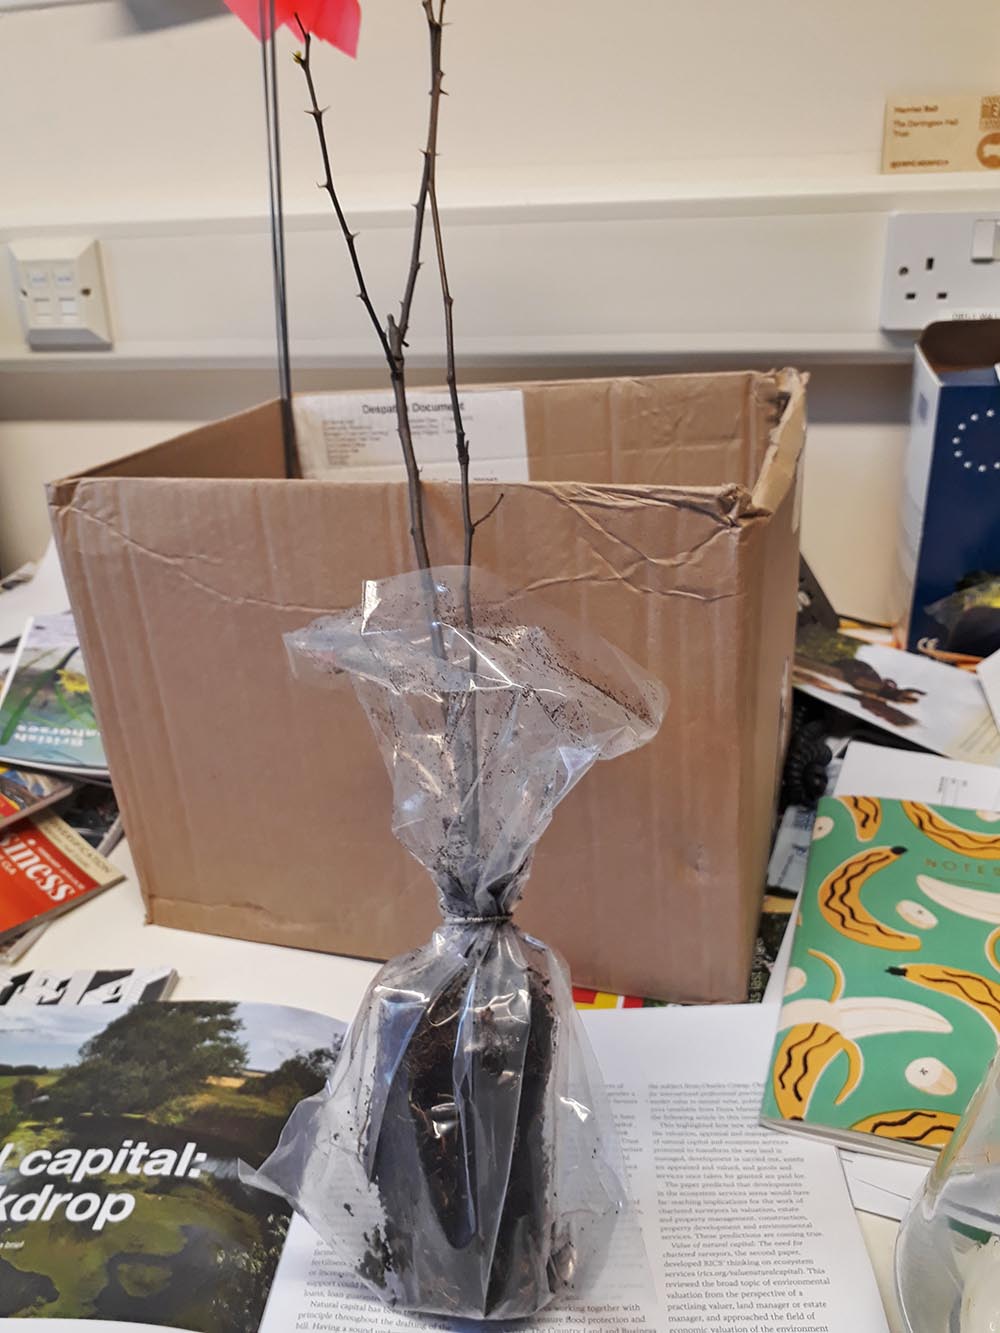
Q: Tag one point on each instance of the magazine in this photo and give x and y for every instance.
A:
(92, 812)
(25, 793)
(46, 869)
(925, 702)
(162, 1231)
(47, 716)
(120, 1193)
(16, 946)
(120, 986)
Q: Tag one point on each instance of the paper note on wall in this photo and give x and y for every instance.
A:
(942, 133)
(353, 436)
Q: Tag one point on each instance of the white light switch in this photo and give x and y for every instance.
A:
(61, 294)
(985, 235)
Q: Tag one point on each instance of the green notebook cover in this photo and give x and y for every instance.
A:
(891, 1011)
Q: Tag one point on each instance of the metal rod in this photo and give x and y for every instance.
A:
(269, 66)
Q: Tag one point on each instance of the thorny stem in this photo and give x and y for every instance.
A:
(435, 25)
(427, 176)
(428, 189)
(392, 338)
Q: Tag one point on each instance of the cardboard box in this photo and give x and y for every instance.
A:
(662, 511)
(951, 483)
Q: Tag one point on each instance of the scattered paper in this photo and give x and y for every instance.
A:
(903, 775)
(988, 671)
(927, 702)
(352, 436)
(745, 1228)
(41, 595)
(787, 866)
(880, 1185)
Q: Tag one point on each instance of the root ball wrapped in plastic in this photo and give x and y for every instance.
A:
(462, 1158)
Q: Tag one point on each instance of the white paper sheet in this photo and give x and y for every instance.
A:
(42, 595)
(988, 671)
(352, 436)
(903, 775)
(790, 853)
(746, 1228)
(881, 1186)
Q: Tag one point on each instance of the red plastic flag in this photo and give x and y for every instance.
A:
(335, 21)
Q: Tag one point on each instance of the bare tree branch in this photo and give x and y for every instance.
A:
(490, 512)
(435, 25)
(391, 338)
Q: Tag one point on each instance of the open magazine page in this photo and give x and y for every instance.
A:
(120, 1137)
(907, 694)
(744, 1226)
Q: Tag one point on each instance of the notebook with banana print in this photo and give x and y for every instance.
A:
(891, 1010)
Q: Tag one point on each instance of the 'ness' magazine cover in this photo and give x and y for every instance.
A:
(120, 1139)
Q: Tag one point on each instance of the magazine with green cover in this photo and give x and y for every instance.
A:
(122, 1135)
(47, 717)
(891, 1011)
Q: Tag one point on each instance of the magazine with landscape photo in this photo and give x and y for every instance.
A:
(121, 1135)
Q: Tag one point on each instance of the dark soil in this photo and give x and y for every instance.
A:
(441, 1204)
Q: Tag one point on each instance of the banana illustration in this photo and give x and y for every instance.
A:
(840, 901)
(929, 1074)
(820, 1030)
(977, 992)
(992, 940)
(980, 904)
(822, 827)
(866, 811)
(925, 1129)
(807, 1049)
(946, 834)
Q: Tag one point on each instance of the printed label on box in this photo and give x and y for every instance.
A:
(353, 436)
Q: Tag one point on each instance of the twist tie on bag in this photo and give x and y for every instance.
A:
(501, 918)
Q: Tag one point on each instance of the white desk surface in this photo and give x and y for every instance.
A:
(111, 931)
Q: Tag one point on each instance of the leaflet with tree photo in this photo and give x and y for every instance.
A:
(120, 1195)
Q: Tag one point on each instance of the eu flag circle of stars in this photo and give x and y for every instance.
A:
(964, 441)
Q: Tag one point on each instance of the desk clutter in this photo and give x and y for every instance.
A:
(861, 1043)
(462, 1151)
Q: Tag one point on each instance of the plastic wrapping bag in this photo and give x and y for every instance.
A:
(462, 1159)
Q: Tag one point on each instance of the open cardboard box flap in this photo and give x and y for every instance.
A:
(661, 511)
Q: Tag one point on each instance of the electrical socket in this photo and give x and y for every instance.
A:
(61, 293)
(940, 266)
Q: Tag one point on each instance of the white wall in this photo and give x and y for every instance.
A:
(112, 125)
(626, 185)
